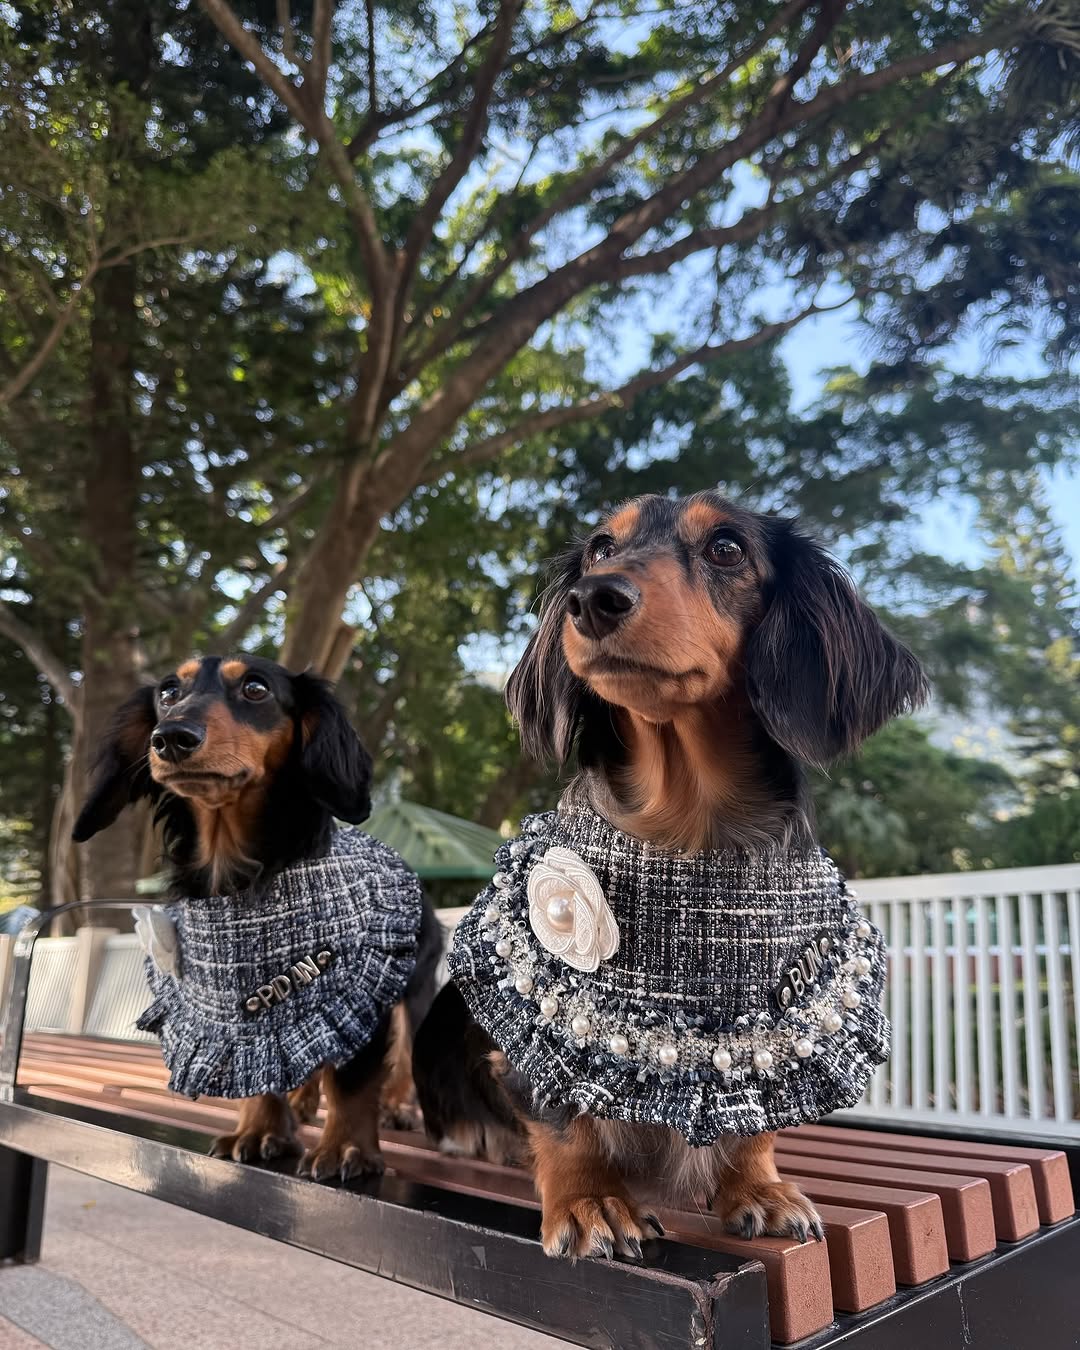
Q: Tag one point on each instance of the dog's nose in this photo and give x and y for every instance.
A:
(598, 604)
(175, 740)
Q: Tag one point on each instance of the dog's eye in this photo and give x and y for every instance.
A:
(724, 550)
(168, 695)
(601, 548)
(255, 689)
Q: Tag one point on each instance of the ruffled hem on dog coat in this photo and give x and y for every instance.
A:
(716, 992)
(271, 984)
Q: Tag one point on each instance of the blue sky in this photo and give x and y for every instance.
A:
(948, 525)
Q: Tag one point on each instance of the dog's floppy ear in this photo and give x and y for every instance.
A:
(332, 756)
(823, 672)
(546, 699)
(121, 772)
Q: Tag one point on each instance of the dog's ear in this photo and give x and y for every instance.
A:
(121, 771)
(546, 699)
(332, 756)
(823, 672)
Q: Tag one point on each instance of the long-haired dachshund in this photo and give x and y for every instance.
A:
(696, 656)
(247, 766)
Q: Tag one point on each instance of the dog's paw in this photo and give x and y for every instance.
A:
(596, 1225)
(770, 1209)
(344, 1161)
(400, 1116)
(246, 1146)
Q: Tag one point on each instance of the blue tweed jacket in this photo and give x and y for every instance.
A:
(262, 988)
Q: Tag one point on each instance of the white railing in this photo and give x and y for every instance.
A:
(983, 993)
(984, 996)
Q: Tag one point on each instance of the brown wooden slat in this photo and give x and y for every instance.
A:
(1012, 1189)
(860, 1256)
(965, 1200)
(1049, 1166)
(797, 1274)
(916, 1222)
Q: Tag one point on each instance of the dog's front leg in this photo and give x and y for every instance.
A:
(265, 1129)
(752, 1201)
(586, 1205)
(348, 1148)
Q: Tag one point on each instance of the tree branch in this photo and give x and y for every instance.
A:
(64, 318)
(586, 182)
(481, 452)
(37, 649)
(472, 136)
(254, 603)
(369, 6)
(310, 115)
(524, 313)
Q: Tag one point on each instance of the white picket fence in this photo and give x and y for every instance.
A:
(984, 997)
(983, 993)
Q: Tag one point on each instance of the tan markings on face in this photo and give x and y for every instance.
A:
(188, 670)
(686, 648)
(624, 522)
(232, 670)
(698, 520)
(240, 756)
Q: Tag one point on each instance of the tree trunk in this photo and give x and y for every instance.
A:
(333, 564)
(111, 860)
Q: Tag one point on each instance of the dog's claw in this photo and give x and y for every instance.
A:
(605, 1245)
(818, 1230)
(655, 1223)
(634, 1248)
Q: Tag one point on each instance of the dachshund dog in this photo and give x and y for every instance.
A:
(696, 657)
(247, 766)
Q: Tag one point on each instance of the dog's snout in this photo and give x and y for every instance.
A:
(176, 740)
(598, 604)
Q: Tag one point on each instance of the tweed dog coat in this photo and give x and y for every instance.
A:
(716, 992)
(255, 991)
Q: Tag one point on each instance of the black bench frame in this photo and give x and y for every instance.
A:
(486, 1255)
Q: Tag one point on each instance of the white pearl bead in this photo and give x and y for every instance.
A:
(862, 965)
(832, 1021)
(503, 947)
(580, 1026)
(619, 1045)
(560, 914)
(491, 914)
(852, 998)
(523, 984)
(721, 1059)
(762, 1060)
(549, 1006)
(862, 929)
(804, 1048)
(501, 880)
(667, 1055)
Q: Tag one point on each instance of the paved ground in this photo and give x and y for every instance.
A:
(122, 1272)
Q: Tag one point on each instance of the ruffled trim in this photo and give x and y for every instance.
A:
(701, 1104)
(277, 1049)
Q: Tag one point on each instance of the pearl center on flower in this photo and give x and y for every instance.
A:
(560, 913)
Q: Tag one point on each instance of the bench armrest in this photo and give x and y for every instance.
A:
(14, 1012)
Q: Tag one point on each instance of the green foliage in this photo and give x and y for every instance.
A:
(596, 308)
(907, 805)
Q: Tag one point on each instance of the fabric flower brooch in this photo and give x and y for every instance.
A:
(569, 912)
(157, 934)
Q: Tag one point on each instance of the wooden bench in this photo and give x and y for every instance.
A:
(955, 1242)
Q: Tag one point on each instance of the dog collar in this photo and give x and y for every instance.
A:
(716, 992)
(255, 991)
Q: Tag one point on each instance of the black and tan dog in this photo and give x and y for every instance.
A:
(697, 657)
(247, 766)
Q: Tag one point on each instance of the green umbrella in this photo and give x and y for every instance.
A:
(437, 846)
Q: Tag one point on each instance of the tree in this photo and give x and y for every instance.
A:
(906, 805)
(501, 189)
(128, 146)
